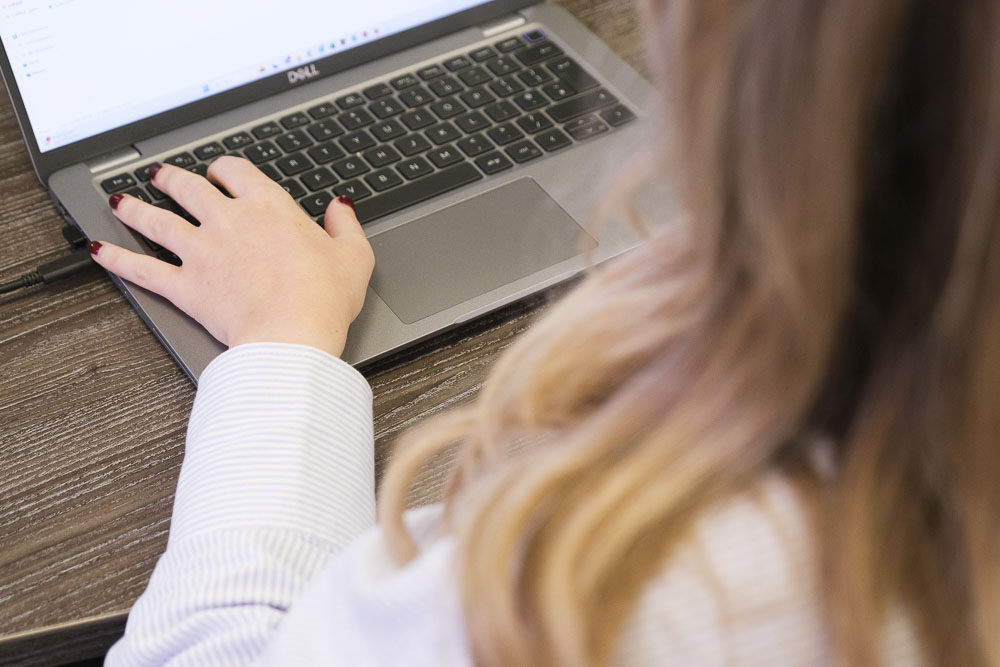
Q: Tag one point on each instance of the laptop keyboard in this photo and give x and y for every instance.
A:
(415, 136)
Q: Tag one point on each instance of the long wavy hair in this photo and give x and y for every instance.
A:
(836, 275)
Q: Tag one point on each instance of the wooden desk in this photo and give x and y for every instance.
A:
(93, 413)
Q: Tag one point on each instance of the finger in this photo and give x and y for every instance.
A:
(194, 194)
(145, 271)
(340, 219)
(237, 175)
(160, 225)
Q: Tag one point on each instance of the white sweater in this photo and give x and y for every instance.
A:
(274, 557)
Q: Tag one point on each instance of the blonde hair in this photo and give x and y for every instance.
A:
(837, 275)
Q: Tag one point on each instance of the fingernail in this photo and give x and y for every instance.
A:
(94, 247)
(152, 169)
(114, 200)
(346, 201)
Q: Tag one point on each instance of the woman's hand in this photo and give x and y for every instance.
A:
(257, 268)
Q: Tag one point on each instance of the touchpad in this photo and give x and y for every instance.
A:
(455, 254)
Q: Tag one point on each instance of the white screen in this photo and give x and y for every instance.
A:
(88, 66)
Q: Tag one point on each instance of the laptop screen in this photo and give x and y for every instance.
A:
(84, 67)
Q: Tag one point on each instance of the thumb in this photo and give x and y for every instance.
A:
(340, 219)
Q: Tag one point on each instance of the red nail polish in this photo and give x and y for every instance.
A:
(94, 247)
(346, 201)
(152, 169)
(114, 200)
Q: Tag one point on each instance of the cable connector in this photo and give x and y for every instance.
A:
(76, 261)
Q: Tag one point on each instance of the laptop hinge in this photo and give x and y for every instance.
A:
(111, 160)
(502, 25)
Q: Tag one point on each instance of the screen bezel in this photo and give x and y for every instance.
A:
(47, 163)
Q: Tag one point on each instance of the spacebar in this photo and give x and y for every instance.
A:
(413, 193)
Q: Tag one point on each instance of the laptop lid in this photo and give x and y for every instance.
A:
(86, 77)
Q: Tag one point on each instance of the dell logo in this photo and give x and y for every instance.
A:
(302, 73)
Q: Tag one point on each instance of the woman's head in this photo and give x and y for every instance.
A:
(836, 275)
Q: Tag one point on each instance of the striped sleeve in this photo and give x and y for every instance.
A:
(278, 474)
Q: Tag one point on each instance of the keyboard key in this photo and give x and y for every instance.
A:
(418, 119)
(380, 156)
(238, 140)
(457, 63)
(585, 130)
(139, 193)
(155, 192)
(506, 86)
(209, 151)
(350, 100)
(383, 179)
(412, 144)
(355, 118)
(350, 167)
(415, 97)
(199, 168)
(386, 107)
(317, 179)
(485, 53)
(571, 108)
(472, 122)
(559, 90)
(262, 152)
(533, 123)
(493, 162)
(523, 151)
(501, 111)
(573, 74)
(386, 130)
(316, 203)
(420, 190)
(376, 91)
(529, 100)
(442, 133)
(181, 160)
(535, 36)
(118, 183)
(414, 167)
(535, 76)
(322, 110)
(432, 72)
(444, 156)
(502, 65)
(504, 134)
(475, 145)
(325, 129)
(509, 44)
(445, 86)
(474, 76)
(355, 189)
(538, 53)
(271, 172)
(477, 97)
(293, 188)
(293, 141)
(447, 108)
(293, 164)
(355, 142)
(325, 152)
(269, 129)
(142, 173)
(294, 120)
(404, 81)
(617, 115)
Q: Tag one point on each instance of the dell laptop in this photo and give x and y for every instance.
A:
(472, 135)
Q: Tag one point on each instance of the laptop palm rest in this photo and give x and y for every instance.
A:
(471, 248)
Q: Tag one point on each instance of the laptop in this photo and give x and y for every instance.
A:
(473, 136)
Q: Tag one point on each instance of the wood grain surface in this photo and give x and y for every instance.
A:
(93, 412)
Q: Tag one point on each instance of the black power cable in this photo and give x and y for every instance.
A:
(76, 261)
